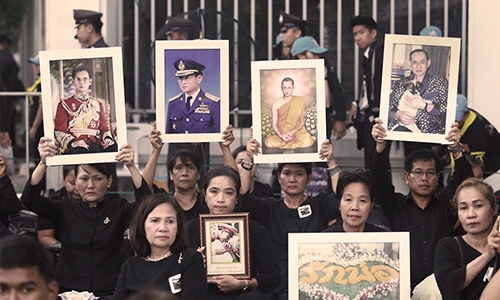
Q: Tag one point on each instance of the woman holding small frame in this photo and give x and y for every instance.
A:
(221, 188)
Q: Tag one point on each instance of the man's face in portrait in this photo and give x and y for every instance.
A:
(419, 64)
(287, 88)
(189, 83)
(363, 36)
(26, 284)
(82, 81)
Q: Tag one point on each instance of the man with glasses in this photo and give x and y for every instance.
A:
(193, 110)
(424, 213)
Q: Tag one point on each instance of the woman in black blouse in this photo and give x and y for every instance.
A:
(91, 231)
(221, 188)
(465, 264)
(158, 236)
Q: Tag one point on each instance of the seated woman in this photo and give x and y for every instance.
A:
(221, 188)
(296, 212)
(184, 169)
(464, 264)
(357, 195)
(46, 231)
(91, 231)
(158, 236)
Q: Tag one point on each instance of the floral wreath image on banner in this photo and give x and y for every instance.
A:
(356, 266)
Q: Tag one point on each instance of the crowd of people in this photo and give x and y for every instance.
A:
(454, 231)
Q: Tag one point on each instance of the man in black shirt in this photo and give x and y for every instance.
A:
(88, 28)
(424, 213)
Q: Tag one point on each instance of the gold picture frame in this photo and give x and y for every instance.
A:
(226, 239)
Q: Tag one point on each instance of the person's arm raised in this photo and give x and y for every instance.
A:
(378, 134)
(246, 175)
(326, 152)
(46, 148)
(228, 138)
(126, 155)
(156, 144)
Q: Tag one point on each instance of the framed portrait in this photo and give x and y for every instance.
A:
(192, 90)
(82, 92)
(419, 87)
(349, 265)
(226, 239)
(288, 109)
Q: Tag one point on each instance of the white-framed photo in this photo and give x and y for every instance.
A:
(288, 109)
(83, 95)
(419, 87)
(192, 90)
(349, 265)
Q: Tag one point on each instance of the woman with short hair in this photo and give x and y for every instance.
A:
(356, 197)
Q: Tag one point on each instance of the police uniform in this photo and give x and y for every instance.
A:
(288, 21)
(203, 115)
(82, 117)
(177, 23)
(82, 16)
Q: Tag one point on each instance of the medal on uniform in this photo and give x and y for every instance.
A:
(202, 109)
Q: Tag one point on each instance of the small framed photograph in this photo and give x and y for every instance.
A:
(419, 87)
(227, 244)
(349, 265)
(192, 90)
(82, 92)
(288, 109)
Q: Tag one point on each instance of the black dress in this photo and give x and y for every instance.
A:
(91, 238)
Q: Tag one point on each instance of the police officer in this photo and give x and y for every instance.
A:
(88, 28)
(292, 28)
(193, 110)
(177, 29)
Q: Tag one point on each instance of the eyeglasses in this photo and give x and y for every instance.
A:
(180, 78)
(429, 174)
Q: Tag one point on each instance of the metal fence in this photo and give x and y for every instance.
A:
(328, 23)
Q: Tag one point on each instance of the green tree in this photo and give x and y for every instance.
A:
(11, 18)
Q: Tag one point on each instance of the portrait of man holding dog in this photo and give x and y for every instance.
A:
(418, 102)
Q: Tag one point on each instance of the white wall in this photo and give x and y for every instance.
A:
(60, 25)
(484, 64)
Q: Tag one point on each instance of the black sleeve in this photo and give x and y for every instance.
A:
(9, 203)
(377, 76)
(265, 260)
(194, 278)
(44, 207)
(121, 290)
(329, 206)
(382, 182)
(259, 208)
(450, 276)
(336, 92)
(143, 191)
(193, 231)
